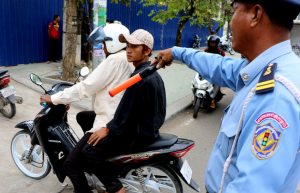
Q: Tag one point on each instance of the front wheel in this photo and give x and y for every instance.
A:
(162, 177)
(197, 107)
(231, 51)
(37, 167)
(9, 110)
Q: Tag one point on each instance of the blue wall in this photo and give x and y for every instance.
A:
(128, 16)
(24, 36)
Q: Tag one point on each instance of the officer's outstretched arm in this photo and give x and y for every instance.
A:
(267, 146)
(222, 71)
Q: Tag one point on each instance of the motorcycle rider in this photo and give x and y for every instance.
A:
(114, 70)
(213, 42)
(137, 120)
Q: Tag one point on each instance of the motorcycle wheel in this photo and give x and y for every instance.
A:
(9, 110)
(162, 177)
(197, 107)
(35, 168)
(231, 51)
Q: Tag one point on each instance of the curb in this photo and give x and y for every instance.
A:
(172, 109)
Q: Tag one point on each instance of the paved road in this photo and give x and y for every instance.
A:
(203, 131)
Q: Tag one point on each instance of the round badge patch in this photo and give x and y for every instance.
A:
(265, 141)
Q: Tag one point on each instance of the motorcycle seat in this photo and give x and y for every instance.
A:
(2, 72)
(163, 140)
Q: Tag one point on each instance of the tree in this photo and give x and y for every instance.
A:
(198, 12)
(73, 15)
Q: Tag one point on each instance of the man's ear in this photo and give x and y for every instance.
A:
(148, 51)
(257, 13)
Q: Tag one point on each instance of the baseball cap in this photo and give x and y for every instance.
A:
(138, 37)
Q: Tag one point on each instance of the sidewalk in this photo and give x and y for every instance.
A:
(177, 81)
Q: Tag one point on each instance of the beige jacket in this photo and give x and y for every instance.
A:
(113, 71)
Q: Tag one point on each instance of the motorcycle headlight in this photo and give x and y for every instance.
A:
(204, 86)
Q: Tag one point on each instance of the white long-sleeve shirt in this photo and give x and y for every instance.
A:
(113, 71)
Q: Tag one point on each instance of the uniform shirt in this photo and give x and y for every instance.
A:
(141, 111)
(278, 111)
(54, 27)
(113, 71)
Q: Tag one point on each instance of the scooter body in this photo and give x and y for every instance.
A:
(7, 97)
(197, 41)
(51, 131)
(203, 92)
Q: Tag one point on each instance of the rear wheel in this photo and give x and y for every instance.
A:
(162, 177)
(9, 110)
(197, 107)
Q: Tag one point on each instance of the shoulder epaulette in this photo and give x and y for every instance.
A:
(266, 81)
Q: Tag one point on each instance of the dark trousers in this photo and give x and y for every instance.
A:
(89, 158)
(54, 48)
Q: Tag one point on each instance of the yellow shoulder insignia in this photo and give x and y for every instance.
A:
(266, 81)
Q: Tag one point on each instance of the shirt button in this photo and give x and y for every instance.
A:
(245, 77)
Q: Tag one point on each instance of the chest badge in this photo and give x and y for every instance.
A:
(265, 141)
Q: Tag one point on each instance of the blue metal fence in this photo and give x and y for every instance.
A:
(164, 36)
(24, 37)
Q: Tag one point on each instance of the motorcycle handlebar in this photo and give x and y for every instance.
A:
(135, 79)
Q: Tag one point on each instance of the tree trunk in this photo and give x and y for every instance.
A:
(179, 32)
(91, 21)
(71, 41)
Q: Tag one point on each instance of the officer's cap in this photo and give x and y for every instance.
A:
(288, 7)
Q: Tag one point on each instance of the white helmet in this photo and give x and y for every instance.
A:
(110, 35)
(112, 41)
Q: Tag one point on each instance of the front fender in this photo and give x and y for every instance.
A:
(26, 125)
(29, 126)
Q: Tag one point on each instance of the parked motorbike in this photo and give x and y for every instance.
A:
(197, 41)
(203, 92)
(7, 97)
(155, 168)
(227, 46)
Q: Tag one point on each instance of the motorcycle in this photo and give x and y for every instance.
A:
(7, 97)
(203, 92)
(197, 41)
(227, 46)
(155, 168)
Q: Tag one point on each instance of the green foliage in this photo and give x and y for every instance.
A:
(198, 12)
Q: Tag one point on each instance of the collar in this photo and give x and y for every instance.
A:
(251, 70)
(142, 65)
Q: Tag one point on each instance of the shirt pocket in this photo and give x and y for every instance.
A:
(227, 134)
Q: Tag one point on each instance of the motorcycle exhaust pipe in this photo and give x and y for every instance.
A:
(19, 100)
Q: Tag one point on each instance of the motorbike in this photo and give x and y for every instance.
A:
(155, 168)
(197, 41)
(7, 97)
(203, 92)
(227, 46)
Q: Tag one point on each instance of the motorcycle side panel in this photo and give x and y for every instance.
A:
(176, 167)
(54, 136)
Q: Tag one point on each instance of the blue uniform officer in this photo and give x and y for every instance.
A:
(257, 149)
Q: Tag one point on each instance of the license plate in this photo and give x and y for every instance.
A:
(6, 92)
(186, 171)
